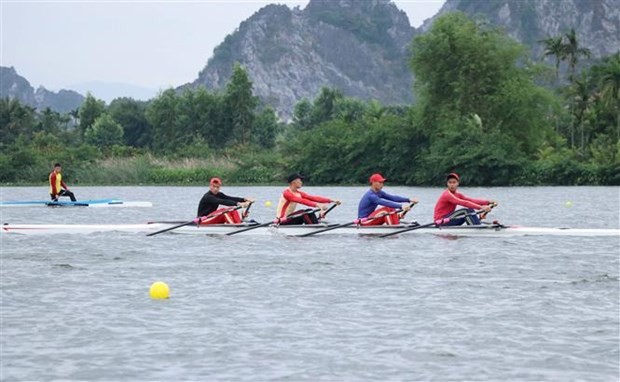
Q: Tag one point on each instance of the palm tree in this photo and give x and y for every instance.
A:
(580, 96)
(573, 51)
(609, 84)
(554, 46)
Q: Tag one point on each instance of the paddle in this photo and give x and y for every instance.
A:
(438, 222)
(193, 221)
(281, 220)
(356, 221)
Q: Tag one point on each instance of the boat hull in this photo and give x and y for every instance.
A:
(223, 229)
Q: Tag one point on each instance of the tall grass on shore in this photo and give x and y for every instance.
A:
(147, 169)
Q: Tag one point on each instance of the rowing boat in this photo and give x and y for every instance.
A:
(223, 229)
(79, 203)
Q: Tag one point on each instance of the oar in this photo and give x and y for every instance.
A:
(193, 221)
(280, 220)
(438, 222)
(354, 222)
(246, 212)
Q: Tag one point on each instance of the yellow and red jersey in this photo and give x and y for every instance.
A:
(56, 183)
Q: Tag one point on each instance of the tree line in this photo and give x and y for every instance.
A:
(482, 109)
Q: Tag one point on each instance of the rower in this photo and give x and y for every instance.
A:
(211, 201)
(450, 199)
(376, 197)
(292, 195)
(57, 186)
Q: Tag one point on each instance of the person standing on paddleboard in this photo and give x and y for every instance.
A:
(292, 195)
(450, 199)
(376, 197)
(57, 186)
(210, 202)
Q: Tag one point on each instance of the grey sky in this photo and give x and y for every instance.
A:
(153, 44)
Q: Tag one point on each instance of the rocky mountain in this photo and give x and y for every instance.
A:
(360, 46)
(12, 85)
(357, 46)
(596, 22)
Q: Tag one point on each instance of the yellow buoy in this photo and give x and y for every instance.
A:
(268, 203)
(568, 204)
(159, 289)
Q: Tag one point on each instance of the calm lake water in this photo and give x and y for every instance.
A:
(337, 308)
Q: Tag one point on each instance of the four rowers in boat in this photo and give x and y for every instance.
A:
(376, 207)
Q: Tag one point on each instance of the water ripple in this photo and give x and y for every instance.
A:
(315, 309)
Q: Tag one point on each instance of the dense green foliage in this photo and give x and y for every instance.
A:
(136, 142)
(481, 110)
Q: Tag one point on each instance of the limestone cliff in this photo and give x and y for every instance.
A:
(359, 47)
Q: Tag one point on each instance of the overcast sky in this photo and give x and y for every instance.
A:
(153, 44)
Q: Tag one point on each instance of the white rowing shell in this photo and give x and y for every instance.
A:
(222, 229)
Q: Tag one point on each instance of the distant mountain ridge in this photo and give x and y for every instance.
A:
(358, 46)
(361, 47)
(14, 86)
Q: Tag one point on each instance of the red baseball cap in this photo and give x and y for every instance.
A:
(216, 180)
(453, 175)
(376, 178)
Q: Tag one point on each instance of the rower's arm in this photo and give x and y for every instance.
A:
(394, 198)
(53, 184)
(315, 198)
(477, 201)
(464, 202)
(233, 198)
(298, 198)
(212, 199)
(384, 202)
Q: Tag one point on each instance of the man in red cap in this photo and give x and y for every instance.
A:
(292, 195)
(376, 197)
(450, 198)
(211, 201)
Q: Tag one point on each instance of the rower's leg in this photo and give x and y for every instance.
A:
(297, 220)
(472, 218)
(219, 219)
(392, 219)
(380, 220)
(455, 221)
(233, 217)
(310, 219)
(67, 193)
